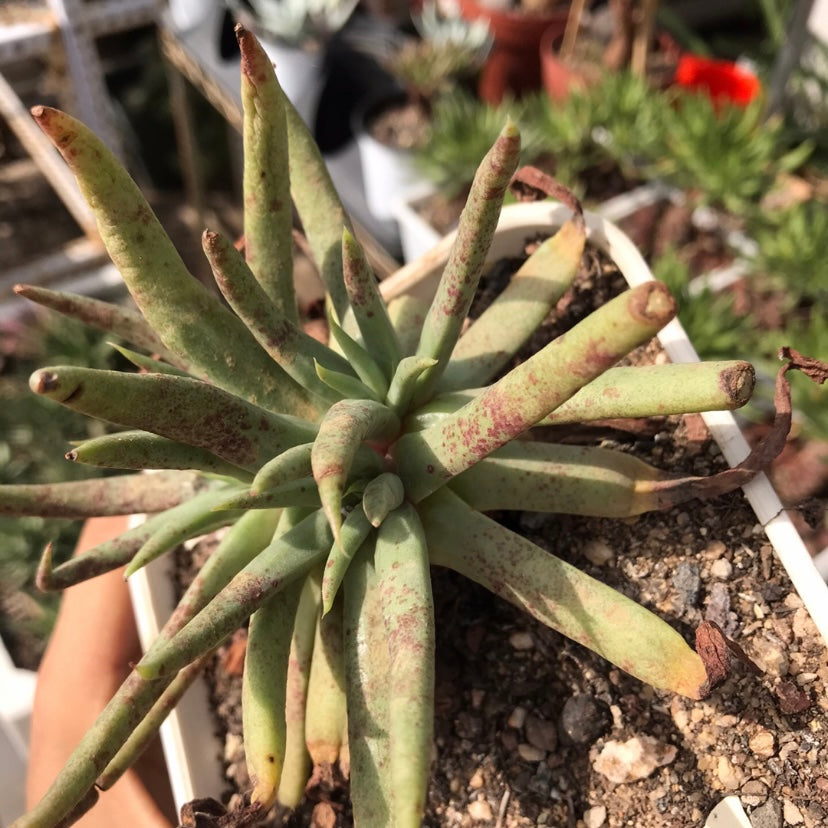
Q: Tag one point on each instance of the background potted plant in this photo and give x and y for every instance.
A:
(343, 407)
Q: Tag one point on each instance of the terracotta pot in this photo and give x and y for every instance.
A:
(559, 76)
(513, 65)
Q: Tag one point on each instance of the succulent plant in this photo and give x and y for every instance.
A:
(344, 472)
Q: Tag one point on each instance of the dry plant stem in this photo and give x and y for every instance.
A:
(573, 26)
(185, 410)
(268, 212)
(190, 321)
(428, 459)
(119, 495)
(560, 596)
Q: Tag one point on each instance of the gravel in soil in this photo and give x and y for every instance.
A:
(532, 729)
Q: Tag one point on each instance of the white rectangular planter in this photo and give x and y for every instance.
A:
(195, 772)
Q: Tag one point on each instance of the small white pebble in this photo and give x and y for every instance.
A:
(762, 744)
(595, 817)
(728, 775)
(521, 641)
(477, 780)
(791, 814)
(598, 552)
(516, 718)
(721, 569)
(480, 810)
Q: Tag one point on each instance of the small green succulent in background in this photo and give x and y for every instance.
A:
(463, 128)
(791, 247)
(730, 157)
(345, 471)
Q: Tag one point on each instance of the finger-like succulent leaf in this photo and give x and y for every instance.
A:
(123, 322)
(268, 212)
(142, 450)
(562, 479)
(301, 492)
(283, 340)
(355, 530)
(345, 385)
(190, 321)
(683, 388)
(186, 410)
(326, 722)
(288, 557)
(127, 494)
(367, 668)
(149, 365)
(341, 432)
(404, 383)
(559, 595)
(485, 348)
(264, 689)
(368, 305)
(404, 585)
(381, 496)
(427, 459)
(458, 284)
(297, 759)
(407, 314)
(198, 518)
(360, 360)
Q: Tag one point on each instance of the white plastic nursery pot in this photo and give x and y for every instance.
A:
(194, 766)
(388, 173)
(300, 75)
(417, 236)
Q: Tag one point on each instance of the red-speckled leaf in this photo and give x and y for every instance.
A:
(559, 595)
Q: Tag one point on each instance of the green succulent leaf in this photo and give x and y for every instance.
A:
(560, 479)
(355, 530)
(458, 284)
(142, 450)
(404, 586)
(127, 494)
(404, 383)
(360, 360)
(264, 692)
(191, 322)
(341, 432)
(284, 341)
(297, 764)
(345, 385)
(104, 316)
(368, 305)
(291, 464)
(407, 314)
(148, 364)
(268, 212)
(186, 410)
(485, 348)
(559, 595)
(326, 721)
(288, 557)
(382, 495)
(367, 668)
(427, 459)
(196, 517)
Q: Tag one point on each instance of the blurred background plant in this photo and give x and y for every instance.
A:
(31, 434)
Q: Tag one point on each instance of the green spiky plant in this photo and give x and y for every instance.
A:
(344, 472)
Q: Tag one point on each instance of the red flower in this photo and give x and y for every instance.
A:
(722, 80)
